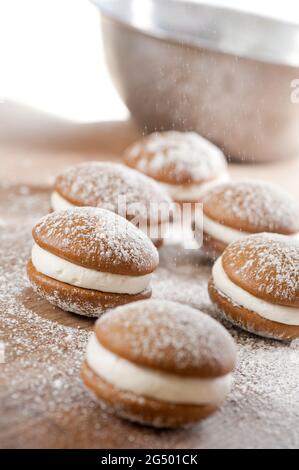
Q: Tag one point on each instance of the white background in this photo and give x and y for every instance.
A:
(51, 55)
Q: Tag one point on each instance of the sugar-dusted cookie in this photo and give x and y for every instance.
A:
(88, 260)
(237, 209)
(159, 363)
(255, 283)
(117, 188)
(184, 163)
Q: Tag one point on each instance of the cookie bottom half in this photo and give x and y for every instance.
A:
(251, 321)
(141, 409)
(87, 302)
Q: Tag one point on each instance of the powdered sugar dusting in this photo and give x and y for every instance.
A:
(69, 304)
(42, 400)
(262, 206)
(102, 184)
(98, 239)
(269, 261)
(183, 157)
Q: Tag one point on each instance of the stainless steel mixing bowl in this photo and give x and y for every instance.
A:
(223, 73)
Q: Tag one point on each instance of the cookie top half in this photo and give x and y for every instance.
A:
(168, 337)
(172, 157)
(266, 266)
(97, 239)
(253, 206)
(104, 184)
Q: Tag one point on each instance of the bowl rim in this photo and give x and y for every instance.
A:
(220, 29)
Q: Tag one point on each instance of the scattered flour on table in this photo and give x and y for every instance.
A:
(42, 400)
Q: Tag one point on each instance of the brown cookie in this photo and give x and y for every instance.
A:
(88, 260)
(114, 187)
(256, 284)
(177, 159)
(267, 266)
(161, 342)
(241, 208)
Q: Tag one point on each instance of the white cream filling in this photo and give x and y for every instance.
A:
(154, 384)
(222, 232)
(153, 231)
(58, 203)
(192, 192)
(70, 273)
(273, 312)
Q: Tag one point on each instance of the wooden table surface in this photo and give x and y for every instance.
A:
(34, 147)
(42, 401)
